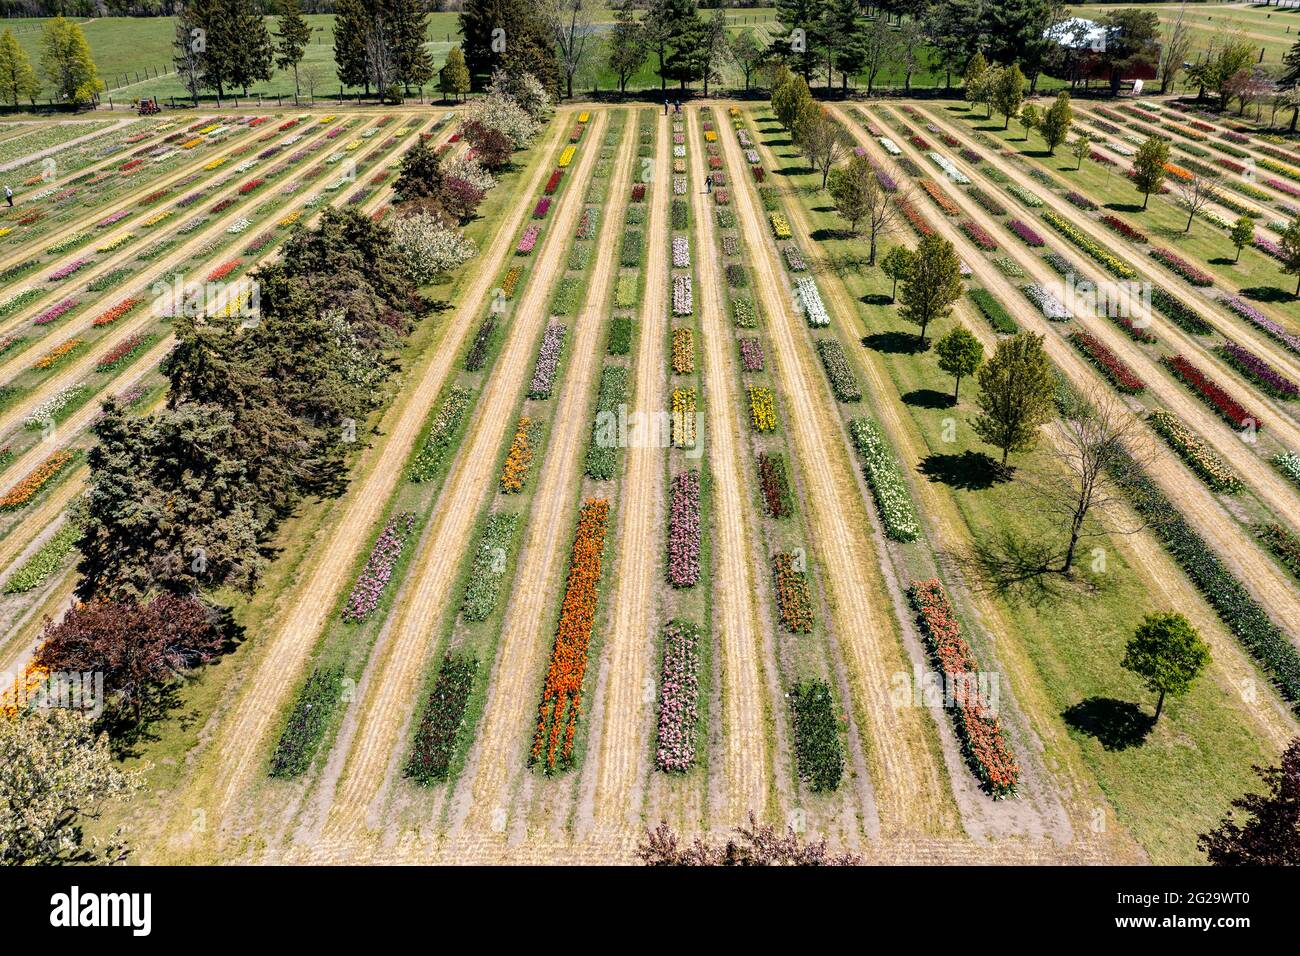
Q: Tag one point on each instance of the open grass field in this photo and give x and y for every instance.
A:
(668, 515)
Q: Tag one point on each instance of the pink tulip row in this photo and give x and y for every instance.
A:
(374, 577)
(679, 693)
(684, 530)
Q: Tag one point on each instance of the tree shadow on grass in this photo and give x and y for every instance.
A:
(876, 298)
(894, 343)
(840, 263)
(1222, 261)
(1128, 207)
(969, 471)
(1011, 566)
(1117, 724)
(823, 209)
(928, 398)
(1268, 293)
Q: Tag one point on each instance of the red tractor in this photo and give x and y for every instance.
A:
(148, 106)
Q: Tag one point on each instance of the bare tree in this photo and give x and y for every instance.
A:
(883, 210)
(1175, 49)
(380, 64)
(1195, 194)
(1095, 436)
(574, 32)
(823, 141)
(311, 78)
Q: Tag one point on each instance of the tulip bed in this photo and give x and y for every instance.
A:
(774, 484)
(602, 451)
(683, 359)
(305, 728)
(1032, 200)
(1080, 200)
(888, 487)
(1288, 463)
(378, 570)
(932, 189)
(1026, 233)
(1095, 251)
(514, 473)
(986, 750)
(743, 313)
(630, 255)
(1111, 365)
(751, 354)
(1198, 455)
(683, 302)
(987, 201)
(1269, 379)
(557, 717)
(993, 311)
(1138, 333)
(679, 692)
(31, 484)
(125, 352)
(49, 558)
(1284, 545)
(843, 382)
(441, 721)
(1262, 322)
(762, 408)
(979, 235)
(913, 216)
(1210, 392)
(451, 414)
(810, 299)
(683, 417)
(1047, 302)
(1181, 314)
(793, 597)
(683, 565)
(780, 225)
(681, 253)
(483, 586)
(817, 747)
(1115, 224)
(1176, 263)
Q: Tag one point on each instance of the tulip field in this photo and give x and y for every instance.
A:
(667, 512)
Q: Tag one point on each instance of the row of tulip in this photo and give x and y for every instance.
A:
(679, 694)
(949, 169)
(1047, 302)
(818, 750)
(683, 565)
(888, 487)
(125, 352)
(810, 301)
(1210, 392)
(1028, 235)
(844, 383)
(683, 300)
(1259, 371)
(445, 425)
(684, 407)
(1094, 250)
(561, 703)
(1178, 311)
(1262, 322)
(1111, 365)
(940, 198)
(1176, 263)
(979, 235)
(441, 721)
(1195, 452)
(762, 408)
(683, 351)
(514, 473)
(488, 572)
(983, 743)
(681, 252)
(987, 201)
(793, 596)
(751, 354)
(378, 570)
(31, 484)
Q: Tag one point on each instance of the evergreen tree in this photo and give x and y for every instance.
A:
(510, 34)
(794, 44)
(454, 78)
(291, 39)
(351, 30)
(408, 26)
(66, 62)
(17, 79)
(252, 54)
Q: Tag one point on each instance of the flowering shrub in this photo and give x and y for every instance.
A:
(1095, 250)
(793, 598)
(1110, 364)
(683, 565)
(1198, 455)
(983, 744)
(751, 355)
(979, 235)
(888, 488)
(1182, 267)
(679, 692)
(1026, 233)
(683, 351)
(843, 382)
(1259, 371)
(987, 201)
(683, 417)
(378, 570)
(450, 415)
(682, 297)
(557, 719)
(440, 722)
(762, 408)
(40, 476)
(932, 189)
(774, 483)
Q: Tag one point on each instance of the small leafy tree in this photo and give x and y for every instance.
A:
(1196, 193)
(17, 79)
(977, 81)
(1291, 251)
(895, 264)
(1031, 118)
(1243, 234)
(1149, 167)
(851, 186)
(821, 138)
(1016, 394)
(454, 79)
(1056, 122)
(932, 284)
(1271, 834)
(960, 355)
(1009, 92)
(1081, 148)
(628, 49)
(1167, 653)
(66, 62)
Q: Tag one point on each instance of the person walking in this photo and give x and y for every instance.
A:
(9, 196)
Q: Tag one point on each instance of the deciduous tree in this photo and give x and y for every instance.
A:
(1167, 653)
(1268, 834)
(1015, 394)
(960, 355)
(1149, 167)
(932, 284)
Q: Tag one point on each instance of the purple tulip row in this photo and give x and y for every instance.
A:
(684, 530)
(679, 694)
(1265, 324)
(1254, 367)
(548, 360)
(74, 266)
(374, 577)
(528, 240)
(54, 311)
(1027, 234)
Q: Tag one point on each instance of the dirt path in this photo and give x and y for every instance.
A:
(499, 756)
(384, 712)
(911, 785)
(1201, 507)
(238, 748)
(622, 761)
